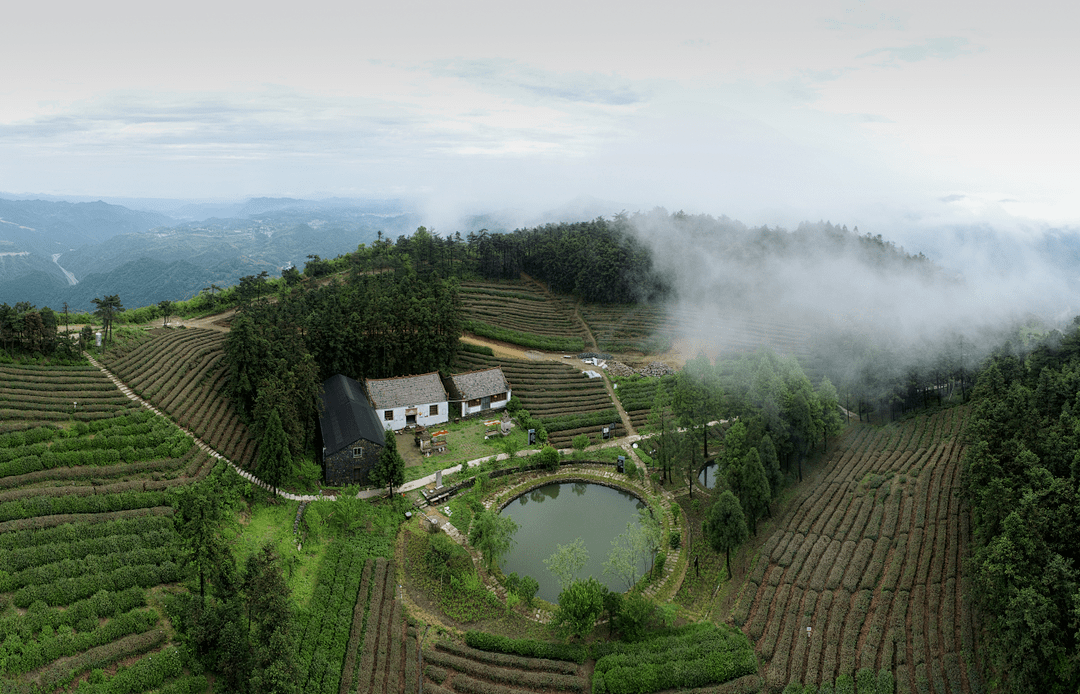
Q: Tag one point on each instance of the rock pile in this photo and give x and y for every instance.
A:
(617, 368)
(657, 368)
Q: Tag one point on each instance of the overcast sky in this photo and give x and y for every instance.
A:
(771, 112)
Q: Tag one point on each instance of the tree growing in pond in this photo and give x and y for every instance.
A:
(725, 526)
(493, 535)
(628, 551)
(567, 561)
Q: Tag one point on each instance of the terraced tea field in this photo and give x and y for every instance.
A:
(86, 536)
(566, 400)
(651, 329)
(870, 559)
(523, 314)
(180, 372)
(452, 667)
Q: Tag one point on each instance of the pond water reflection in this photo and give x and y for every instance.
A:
(707, 476)
(557, 514)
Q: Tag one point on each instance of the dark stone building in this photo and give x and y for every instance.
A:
(351, 432)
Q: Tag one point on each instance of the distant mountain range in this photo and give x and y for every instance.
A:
(52, 252)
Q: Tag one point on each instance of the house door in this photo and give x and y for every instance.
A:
(485, 403)
(410, 416)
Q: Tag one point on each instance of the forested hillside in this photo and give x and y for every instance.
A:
(1021, 475)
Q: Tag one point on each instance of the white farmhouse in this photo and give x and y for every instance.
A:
(479, 391)
(409, 400)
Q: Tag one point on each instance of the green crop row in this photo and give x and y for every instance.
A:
(516, 678)
(504, 660)
(67, 590)
(147, 674)
(18, 658)
(580, 421)
(328, 619)
(60, 673)
(89, 563)
(526, 647)
(69, 533)
(715, 668)
(550, 344)
(98, 503)
(360, 613)
(81, 615)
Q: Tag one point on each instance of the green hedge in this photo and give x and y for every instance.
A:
(526, 647)
(475, 349)
(697, 656)
(546, 343)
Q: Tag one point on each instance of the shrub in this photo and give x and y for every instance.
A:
(549, 458)
(675, 539)
(580, 442)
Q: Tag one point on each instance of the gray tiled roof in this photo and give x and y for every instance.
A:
(347, 415)
(479, 384)
(406, 391)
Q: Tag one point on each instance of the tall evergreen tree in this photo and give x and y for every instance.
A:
(274, 461)
(756, 489)
(725, 526)
(390, 467)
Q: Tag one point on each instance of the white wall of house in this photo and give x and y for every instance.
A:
(398, 419)
(468, 409)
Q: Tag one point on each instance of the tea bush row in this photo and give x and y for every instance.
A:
(60, 673)
(98, 503)
(714, 668)
(67, 590)
(504, 660)
(89, 563)
(76, 532)
(513, 677)
(18, 658)
(526, 647)
(147, 674)
(81, 615)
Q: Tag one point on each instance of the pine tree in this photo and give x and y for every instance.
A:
(390, 468)
(756, 489)
(725, 526)
(274, 459)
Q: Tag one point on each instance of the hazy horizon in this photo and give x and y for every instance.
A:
(897, 117)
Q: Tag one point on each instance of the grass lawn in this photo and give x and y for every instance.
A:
(273, 523)
(465, 442)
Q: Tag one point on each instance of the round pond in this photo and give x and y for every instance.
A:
(558, 514)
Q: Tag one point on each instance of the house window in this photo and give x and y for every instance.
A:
(498, 397)
(358, 452)
(434, 410)
(474, 403)
(388, 415)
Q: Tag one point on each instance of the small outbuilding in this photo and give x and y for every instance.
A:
(351, 432)
(409, 401)
(478, 391)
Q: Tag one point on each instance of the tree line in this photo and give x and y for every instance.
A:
(1021, 476)
(372, 325)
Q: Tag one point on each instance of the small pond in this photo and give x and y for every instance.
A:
(707, 476)
(558, 514)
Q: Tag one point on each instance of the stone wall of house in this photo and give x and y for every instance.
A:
(342, 468)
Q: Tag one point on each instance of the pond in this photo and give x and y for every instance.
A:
(558, 514)
(707, 476)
